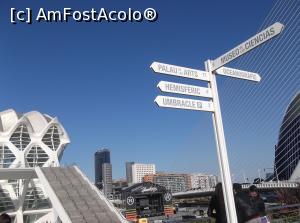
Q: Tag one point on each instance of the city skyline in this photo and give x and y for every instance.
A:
(96, 79)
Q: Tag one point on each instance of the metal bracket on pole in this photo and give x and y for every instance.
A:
(221, 149)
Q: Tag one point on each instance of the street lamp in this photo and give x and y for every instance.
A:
(273, 168)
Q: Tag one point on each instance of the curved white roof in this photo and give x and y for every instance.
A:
(8, 118)
(30, 139)
(35, 121)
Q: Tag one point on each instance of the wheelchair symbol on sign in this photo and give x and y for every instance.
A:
(130, 200)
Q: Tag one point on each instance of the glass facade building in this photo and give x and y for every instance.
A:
(101, 156)
(287, 150)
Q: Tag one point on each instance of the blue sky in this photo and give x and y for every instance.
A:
(95, 78)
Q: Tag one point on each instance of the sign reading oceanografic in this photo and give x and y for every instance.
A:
(182, 103)
(185, 89)
(248, 45)
(226, 71)
(179, 71)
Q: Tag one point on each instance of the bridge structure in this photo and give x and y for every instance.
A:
(264, 186)
(71, 196)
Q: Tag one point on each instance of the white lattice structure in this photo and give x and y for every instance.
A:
(26, 141)
(30, 140)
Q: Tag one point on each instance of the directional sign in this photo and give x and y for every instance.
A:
(248, 45)
(179, 71)
(182, 103)
(239, 74)
(185, 89)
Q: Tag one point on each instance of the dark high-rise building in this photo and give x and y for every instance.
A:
(101, 156)
(129, 172)
(287, 151)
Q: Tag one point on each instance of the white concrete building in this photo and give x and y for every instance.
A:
(33, 188)
(31, 139)
(175, 182)
(139, 170)
(203, 181)
(107, 178)
(27, 141)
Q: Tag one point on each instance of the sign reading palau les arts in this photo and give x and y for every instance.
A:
(179, 71)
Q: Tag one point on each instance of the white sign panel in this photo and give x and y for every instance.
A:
(248, 45)
(182, 103)
(179, 71)
(239, 74)
(185, 89)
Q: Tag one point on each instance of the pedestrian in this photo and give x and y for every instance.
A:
(257, 202)
(216, 208)
(258, 206)
(243, 207)
(5, 218)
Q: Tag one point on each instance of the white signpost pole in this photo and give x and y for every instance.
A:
(214, 105)
(221, 149)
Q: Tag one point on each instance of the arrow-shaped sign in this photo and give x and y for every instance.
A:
(179, 71)
(248, 45)
(239, 74)
(182, 103)
(185, 89)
